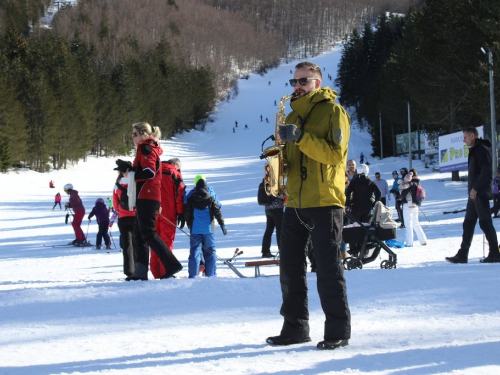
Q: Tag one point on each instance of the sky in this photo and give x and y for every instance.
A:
(68, 310)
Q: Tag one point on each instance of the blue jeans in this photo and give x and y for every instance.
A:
(199, 243)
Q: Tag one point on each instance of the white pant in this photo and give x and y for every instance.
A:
(410, 214)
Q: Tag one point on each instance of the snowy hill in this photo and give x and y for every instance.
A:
(69, 310)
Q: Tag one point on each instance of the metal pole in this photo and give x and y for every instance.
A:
(409, 135)
(494, 138)
(380, 122)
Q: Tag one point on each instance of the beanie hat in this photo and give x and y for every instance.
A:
(99, 200)
(199, 177)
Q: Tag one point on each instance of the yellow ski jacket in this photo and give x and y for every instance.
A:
(317, 159)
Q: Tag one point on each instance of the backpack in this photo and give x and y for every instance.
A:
(262, 198)
(123, 197)
(419, 195)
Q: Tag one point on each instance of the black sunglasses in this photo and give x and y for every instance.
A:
(135, 134)
(301, 81)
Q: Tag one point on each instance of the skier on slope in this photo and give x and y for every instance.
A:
(76, 204)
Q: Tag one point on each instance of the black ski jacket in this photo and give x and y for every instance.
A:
(480, 173)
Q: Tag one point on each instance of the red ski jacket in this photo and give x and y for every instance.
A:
(117, 193)
(172, 191)
(147, 167)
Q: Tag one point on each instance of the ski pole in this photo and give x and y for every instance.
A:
(225, 261)
(483, 243)
(112, 240)
(88, 226)
(423, 213)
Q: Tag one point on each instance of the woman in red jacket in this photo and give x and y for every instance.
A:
(147, 177)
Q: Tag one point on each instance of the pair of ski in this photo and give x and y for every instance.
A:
(88, 244)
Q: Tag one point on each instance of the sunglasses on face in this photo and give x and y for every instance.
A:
(301, 81)
(135, 134)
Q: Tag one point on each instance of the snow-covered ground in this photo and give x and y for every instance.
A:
(69, 311)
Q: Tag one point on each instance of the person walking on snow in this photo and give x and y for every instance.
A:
(102, 214)
(76, 204)
(479, 187)
(199, 213)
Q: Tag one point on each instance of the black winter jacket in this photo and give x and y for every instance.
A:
(362, 189)
(480, 173)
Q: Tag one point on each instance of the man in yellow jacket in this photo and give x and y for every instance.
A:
(316, 135)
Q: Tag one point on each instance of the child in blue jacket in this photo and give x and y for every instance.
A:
(199, 212)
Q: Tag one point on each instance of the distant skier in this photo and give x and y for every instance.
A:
(361, 158)
(51, 184)
(57, 201)
(246, 126)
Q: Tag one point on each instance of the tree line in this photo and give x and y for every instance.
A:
(430, 60)
(75, 88)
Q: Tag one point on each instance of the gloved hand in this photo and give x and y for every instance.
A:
(181, 221)
(289, 132)
(224, 230)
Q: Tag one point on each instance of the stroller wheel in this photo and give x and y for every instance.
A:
(352, 264)
(387, 265)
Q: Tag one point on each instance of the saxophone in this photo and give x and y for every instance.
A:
(274, 170)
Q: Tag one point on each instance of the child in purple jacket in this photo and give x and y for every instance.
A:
(102, 214)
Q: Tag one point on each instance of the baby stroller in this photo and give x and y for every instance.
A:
(366, 239)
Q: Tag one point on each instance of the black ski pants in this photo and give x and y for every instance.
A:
(145, 236)
(126, 227)
(274, 219)
(478, 208)
(103, 234)
(325, 227)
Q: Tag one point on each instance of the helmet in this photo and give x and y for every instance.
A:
(363, 169)
(395, 172)
(99, 200)
(404, 171)
(199, 177)
(68, 187)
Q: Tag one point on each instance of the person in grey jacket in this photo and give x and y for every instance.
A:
(384, 188)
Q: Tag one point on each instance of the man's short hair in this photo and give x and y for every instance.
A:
(471, 130)
(310, 66)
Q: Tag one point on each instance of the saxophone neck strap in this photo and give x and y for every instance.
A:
(302, 121)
